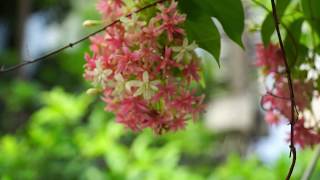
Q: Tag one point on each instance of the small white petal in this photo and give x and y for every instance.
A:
(119, 77)
(139, 92)
(133, 83)
(305, 67)
(312, 75)
(154, 88)
(317, 62)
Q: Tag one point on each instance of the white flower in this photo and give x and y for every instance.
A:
(315, 106)
(305, 67)
(313, 74)
(312, 117)
(145, 87)
(100, 75)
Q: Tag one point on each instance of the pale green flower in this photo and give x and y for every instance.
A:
(184, 51)
(100, 75)
(145, 87)
(130, 6)
(119, 85)
(132, 23)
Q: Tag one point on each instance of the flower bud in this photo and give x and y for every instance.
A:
(91, 23)
(93, 91)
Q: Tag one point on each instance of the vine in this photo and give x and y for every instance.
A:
(291, 91)
(3, 69)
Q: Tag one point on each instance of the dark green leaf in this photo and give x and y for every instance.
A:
(200, 27)
(207, 38)
(294, 50)
(230, 14)
(267, 29)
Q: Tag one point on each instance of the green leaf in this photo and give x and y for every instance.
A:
(208, 38)
(312, 13)
(294, 50)
(282, 6)
(200, 27)
(268, 28)
(230, 14)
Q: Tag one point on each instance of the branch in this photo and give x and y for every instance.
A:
(291, 91)
(70, 45)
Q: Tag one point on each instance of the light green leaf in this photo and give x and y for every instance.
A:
(268, 28)
(312, 13)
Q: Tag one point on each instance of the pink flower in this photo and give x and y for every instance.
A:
(269, 58)
(272, 118)
(167, 62)
(170, 20)
(110, 9)
(166, 92)
(90, 62)
(151, 33)
(277, 102)
(305, 137)
(178, 124)
(126, 58)
(114, 38)
(191, 71)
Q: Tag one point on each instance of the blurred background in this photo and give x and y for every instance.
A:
(50, 129)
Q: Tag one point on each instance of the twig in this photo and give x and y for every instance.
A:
(312, 166)
(70, 45)
(278, 97)
(291, 91)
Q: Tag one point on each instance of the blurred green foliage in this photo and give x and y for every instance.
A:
(58, 143)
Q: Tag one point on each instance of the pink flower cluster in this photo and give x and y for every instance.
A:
(270, 58)
(277, 101)
(144, 66)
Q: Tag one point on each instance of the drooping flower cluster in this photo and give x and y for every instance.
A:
(144, 67)
(277, 103)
